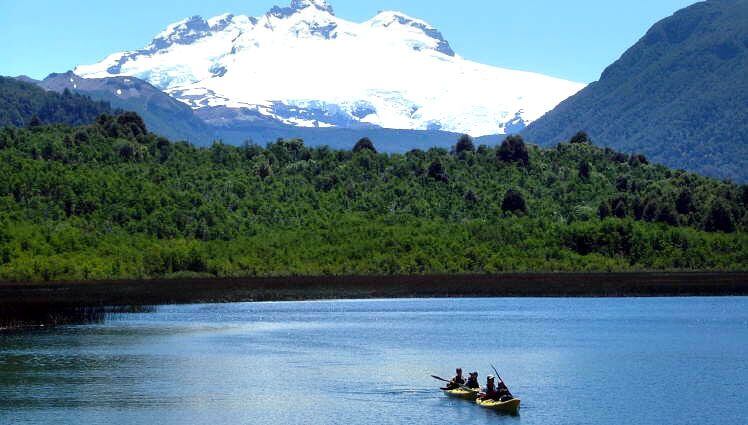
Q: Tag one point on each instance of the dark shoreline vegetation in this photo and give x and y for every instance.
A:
(57, 303)
(112, 201)
(19, 316)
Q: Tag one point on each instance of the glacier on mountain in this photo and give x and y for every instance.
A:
(302, 65)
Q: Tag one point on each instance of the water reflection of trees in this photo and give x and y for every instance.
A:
(25, 316)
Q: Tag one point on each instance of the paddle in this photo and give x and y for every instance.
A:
(438, 378)
(502, 381)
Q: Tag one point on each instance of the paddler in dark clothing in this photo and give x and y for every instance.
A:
(456, 382)
(494, 392)
(490, 392)
(472, 381)
(503, 390)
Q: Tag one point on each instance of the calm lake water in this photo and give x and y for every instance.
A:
(571, 361)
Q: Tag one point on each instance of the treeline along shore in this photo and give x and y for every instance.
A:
(299, 288)
(44, 302)
(111, 201)
(141, 220)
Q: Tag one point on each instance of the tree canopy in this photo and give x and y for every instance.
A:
(111, 200)
(24, 104)
(513, 149)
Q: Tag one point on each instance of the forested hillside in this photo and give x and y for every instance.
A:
(162, 113)
(679, 95)
(111, 200)
(23, 103)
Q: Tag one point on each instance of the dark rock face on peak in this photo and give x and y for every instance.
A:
(679, 95)
(443, 46)
(224, 22)
(299, 5)
(322, 5)
(397, 18)
(186, 32)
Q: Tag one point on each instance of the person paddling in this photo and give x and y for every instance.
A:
(472, 381)
(494, 392)
(503, 392)
(456, 382)
(490, 391)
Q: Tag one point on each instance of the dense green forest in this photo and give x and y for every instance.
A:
(110, 200)
(23, 103)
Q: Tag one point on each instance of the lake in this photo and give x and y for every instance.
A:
(571, 361)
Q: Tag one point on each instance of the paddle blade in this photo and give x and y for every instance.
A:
(438, 378)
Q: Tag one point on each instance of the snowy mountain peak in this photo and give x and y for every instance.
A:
(387, 19)
(182, 32)
(322, 5)
(298, 6)
(304, 66)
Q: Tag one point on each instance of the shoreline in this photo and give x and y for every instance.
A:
(295, 288)
(24, 305)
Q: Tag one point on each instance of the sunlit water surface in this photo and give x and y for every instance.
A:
(571, 361)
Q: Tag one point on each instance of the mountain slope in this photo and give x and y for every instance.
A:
(679, 95)
(21, 102)
(170, 118)
(302, 65)
(162, 114)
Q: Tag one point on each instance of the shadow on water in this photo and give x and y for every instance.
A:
(30, 316)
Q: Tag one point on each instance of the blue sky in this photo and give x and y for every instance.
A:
(573, 39)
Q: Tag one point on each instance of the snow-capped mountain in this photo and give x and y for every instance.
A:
(304, 66)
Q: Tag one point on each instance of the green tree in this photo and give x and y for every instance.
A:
(514, 202)
(651, 208)
(603, 211)
(620, 209)
(637, 160)
(580, 138)
(437, 172)
(364, 144)
(471, 197)
(464, 144)
(132, 123)
(667, 214)
(684, 203)
(513, 149)
(719, 218)
(584, 170)
(622, 184)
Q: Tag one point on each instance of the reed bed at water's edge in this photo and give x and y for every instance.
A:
(55, 303)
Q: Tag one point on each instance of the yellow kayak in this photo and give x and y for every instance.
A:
(463, 393)
(510, 406)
